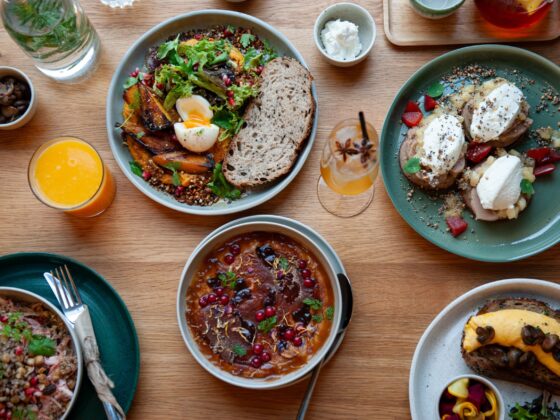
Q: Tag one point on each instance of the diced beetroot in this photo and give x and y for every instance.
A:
(544, 169)
(446, 396)
(457, 225)
(476, 395)
(429, 103)
(412, 106)
(446, 408)
(539, 154)
(477, 152)
(454, 417)
(412, 119)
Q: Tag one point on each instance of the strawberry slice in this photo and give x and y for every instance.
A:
(544, 169)
(539, 153)
(412, 119)
(412, 106)
(429, 103)
(457, 225)
(477, 152)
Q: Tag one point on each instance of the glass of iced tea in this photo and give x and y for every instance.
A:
(68, 174)
(513, 14)
(349, 168)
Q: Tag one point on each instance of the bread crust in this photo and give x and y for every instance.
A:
(491, 360)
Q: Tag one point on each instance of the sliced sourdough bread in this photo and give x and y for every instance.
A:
(278, 122)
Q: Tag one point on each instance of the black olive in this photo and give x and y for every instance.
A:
(249, 326)
(302, 315)
(485, 334)
(513, 356)
(532, 335)
(550, 342)
(528, 359)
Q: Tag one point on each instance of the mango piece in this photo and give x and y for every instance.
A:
(459, 388)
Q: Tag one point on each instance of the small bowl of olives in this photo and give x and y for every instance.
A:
(17, 98)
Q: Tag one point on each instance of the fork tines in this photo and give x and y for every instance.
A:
(66, 288)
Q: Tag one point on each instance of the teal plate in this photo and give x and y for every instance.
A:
(538, 227)
(114, 328)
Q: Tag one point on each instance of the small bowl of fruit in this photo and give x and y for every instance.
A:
(470, 397)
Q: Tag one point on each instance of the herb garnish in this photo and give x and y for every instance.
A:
(345, 150)
(412, 165)
(435, 90)
(268, 324)
(246, 39)
(135, 168)
(221, 187)
(17, 330)
(283, 263)
(228, 279)
(173, 167)
(315, 304)
(329, 313)
(527, 187)
(41, 345)
(317, 318)
(239, 350)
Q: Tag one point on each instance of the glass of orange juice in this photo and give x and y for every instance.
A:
(68, 174)
(349, 168)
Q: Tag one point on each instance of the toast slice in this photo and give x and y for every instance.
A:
(492, 360)
(278, 122)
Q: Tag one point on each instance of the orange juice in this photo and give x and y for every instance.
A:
(347, 186)
(68, 174)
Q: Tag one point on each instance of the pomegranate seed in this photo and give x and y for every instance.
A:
(29, 391)
(227, 32)
(297, 341)
(160, 86)
(212, 298)
(270, 311)
(302, 264)
(289, 334)
(179, 190)
(146, 175)
(306, 273)
(33, 381)
(259, 69)
(231, 101)
(203, 301)
(227, 80)
(265, 356)
(235, 249)
(229, 259)
(259, 315)
(135, 73)
(256, 362)
(544, 169)
(198, 37)
(19, 351)
(224, 300)
(308, 282)
(3, 319)
(219, 291)
(229, 93)
(195, 66)
(257, 348)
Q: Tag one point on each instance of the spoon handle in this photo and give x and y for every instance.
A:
(309, 391)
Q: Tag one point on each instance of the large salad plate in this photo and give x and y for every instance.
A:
(437, 358)
(537, 228)
(114, 328)
(135, 56)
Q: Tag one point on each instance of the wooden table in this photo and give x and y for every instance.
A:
(400, 280)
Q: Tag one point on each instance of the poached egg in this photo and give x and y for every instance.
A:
(497, 112)
(499, 187)
(195, 133)
(442, 143)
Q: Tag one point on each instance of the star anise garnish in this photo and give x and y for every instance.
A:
(365, 149)
(346, 150)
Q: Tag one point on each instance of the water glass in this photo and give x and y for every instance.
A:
(117, 3)
(56, 34)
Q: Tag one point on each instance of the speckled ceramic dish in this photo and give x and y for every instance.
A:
(538, 227)
(437, 358)
(135, 56)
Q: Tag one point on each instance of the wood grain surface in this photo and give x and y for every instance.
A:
(400, 280)
(404, 27)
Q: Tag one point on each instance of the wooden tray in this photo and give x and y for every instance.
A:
(403, 26)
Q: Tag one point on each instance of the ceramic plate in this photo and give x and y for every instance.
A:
(538, 227)
(114, 328)
(135, 58)
(437, 358)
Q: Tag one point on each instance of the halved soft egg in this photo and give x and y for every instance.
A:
(196, 133)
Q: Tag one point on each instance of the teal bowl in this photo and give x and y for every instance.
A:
(538, 227)
(432, 10)
(135, 56)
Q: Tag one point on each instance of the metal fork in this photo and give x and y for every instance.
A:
(77, 312)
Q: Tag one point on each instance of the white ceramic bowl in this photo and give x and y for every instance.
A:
(352, 13)
(424, 9)
(196, 259)
(30, 112)
(501, 406)
(28, 297)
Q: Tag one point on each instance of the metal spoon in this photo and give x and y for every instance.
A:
(347, 306)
